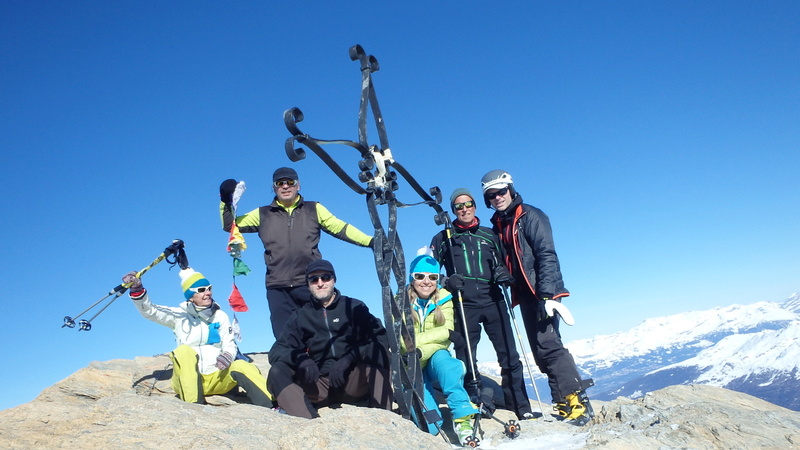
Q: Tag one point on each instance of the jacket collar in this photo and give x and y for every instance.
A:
(510, 212)
(464, 228)
(278, 205)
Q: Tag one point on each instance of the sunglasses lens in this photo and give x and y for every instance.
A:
(280, 183)
(498, 193)
(325, 277)
(421, 276)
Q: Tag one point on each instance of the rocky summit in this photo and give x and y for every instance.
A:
(124, 404)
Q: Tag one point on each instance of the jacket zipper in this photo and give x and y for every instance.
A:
(330, 334)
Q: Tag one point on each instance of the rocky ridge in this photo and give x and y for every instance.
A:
(124, 403)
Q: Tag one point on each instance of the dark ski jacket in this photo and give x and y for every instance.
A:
(291, 236)
(476, 252)
(531, 255)
(344, 328)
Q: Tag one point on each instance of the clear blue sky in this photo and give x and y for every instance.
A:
(661, 138)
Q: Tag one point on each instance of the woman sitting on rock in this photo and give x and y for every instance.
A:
(432, 312)
(203, 363)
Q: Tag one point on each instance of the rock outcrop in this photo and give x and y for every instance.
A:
(123, 403)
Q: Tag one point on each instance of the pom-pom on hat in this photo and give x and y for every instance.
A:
(423, 263)
(191, 279)
(457, 193)
(284, 172)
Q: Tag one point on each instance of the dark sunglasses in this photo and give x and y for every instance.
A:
(467, 204)
(201, 289)
(421, 276)
(280, 183)
(499, 192)
(324, 277)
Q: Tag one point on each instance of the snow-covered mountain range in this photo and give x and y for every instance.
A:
(752, 348)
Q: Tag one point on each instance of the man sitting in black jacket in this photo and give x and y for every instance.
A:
(333, 351)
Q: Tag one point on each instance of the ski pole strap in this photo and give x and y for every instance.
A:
(176, 248)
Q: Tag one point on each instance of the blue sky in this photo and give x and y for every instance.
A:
(660, 137)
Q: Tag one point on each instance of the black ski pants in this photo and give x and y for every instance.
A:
(552, 358)
(297, 398)
(497, 324)
(283, 305)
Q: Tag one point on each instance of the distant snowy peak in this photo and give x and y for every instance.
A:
(742, 355)
(695, 328)
(792, 304)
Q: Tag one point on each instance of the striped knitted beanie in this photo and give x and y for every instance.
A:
(191, 279)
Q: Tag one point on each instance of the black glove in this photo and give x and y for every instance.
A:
(136, 287)
(338, 369)
(543, 312)
(226, 190)
(454, 282)
(457, 340)
(486, 400)
(501, 276)
(308, 371)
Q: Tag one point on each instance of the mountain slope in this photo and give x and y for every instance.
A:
(752, 348)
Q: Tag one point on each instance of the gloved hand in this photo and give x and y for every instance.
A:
(501, 276)
(308, 371)
(226, 190)
(457, 340)
(338, 369)
(454, 282)
(136, 287)
(224, 360)
(486, 400)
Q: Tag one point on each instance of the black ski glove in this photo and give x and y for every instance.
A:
(486, 401)
(501, 276)
(542, 312)
(226, 190)
(308, 371)
(454, 282)
(338, 370)
(136, 287)
(457, 340)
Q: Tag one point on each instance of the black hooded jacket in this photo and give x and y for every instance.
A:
(344, 328)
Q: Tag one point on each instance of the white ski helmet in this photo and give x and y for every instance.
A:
(496, 179)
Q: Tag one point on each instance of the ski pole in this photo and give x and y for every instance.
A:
(474, 382)
(175, 247)
(522, 347)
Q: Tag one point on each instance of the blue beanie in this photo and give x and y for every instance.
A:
(423, 263)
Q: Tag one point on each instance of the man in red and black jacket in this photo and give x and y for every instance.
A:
(532, 260)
